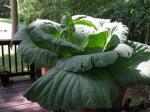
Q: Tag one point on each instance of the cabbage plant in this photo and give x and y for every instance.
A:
(91, 60)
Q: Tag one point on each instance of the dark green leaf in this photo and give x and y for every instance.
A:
(97, 40)
(135, 70)
(59, 89)
(33, 54)
(83, 63)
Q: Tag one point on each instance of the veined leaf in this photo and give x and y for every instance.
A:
(70, 32)
(124, 50)
(33, 54)
(41, 22)
(83, 63)
(46, 26)
(59, 89)
(97, 40)
(62, 45)
(47, 35)
(115, 33)
(21, 35)
(111, 41)
(135, 70)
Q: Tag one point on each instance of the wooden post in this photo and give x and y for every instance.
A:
(14, 16)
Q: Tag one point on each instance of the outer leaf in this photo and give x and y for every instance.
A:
(46, 26)
(134, 70)
(21, 35)
(39, 32)
(49, 23)
(61, 46)
(124, 50)
(32, 53)
(83, 63)
(59, 89)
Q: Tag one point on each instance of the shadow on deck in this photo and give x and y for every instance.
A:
(11, 99)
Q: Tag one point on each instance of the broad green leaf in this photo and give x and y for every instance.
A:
(117, 29)
(81, 63)
(112, 41)
(44, 26)
(81, 35)
(80, 40)
(48, 28)
(21, 35)
(116, 34)
(33, 54)
(47, 35)
(42, 22)
(135, 70)
(70, 33)
(97, 40)
(60, 46)
(106, 35)
(53, 30)
(59, 89)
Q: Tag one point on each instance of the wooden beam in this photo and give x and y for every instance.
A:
(14, 16)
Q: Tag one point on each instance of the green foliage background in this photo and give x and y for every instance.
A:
(4, 9)
(134, 13)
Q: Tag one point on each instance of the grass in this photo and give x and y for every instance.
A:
(6, 58)
(5, 20)
(13, 64)
(8, 20)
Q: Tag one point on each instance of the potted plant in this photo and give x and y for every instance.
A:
(92, 60)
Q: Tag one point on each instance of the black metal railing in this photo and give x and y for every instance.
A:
(10, 63)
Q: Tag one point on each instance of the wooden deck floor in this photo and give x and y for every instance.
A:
(11, 99)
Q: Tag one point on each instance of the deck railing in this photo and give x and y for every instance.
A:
(11, 63)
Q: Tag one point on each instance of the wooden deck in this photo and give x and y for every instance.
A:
(11, 99)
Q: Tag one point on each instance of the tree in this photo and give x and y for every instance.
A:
(4, 8)
(134, 13)
(30, 10)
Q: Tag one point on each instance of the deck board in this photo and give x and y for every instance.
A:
(12, 100)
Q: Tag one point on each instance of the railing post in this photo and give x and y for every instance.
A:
(14, 16)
